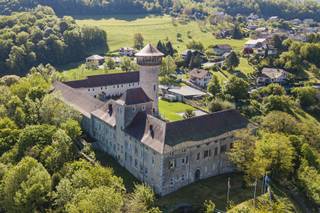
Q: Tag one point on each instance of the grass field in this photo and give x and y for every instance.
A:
(154, 28)
(170, 110)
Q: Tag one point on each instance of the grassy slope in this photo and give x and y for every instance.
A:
(155, 28)
(214, 188)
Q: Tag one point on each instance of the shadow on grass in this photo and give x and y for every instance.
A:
(106, 160)
(213, 188)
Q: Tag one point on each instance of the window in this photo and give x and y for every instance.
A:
(171, 182)
(136, 163)
(182, 160)
(198, 156)
(172, 164)
(182, 177)
(206, 154)
(187, 159)
(89, 89)
(223, 148)
(154, 87)
(215, 151)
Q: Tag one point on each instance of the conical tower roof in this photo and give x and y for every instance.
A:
(149, 50)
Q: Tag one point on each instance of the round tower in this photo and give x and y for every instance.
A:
(149, 59)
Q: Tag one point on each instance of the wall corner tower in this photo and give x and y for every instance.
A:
(149, 60)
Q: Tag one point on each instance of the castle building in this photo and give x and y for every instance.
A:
(127, 126)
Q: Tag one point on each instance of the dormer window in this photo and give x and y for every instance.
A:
(110, 109)
(151, 130)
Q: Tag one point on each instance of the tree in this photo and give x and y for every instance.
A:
(237, 88)
(72, 128)
(218, 104)
(272, 89)
(189, 113)
(26, 187)
(33, 139)
(138, 41)
(278, 103)
(126, 64)
(100, 199)
(307, 96)
(79, 176)
(277, 152)
(214, 87)
(142, 200)
(194, 45)
(110, 64)
(208, 206)
(232, 61)
(59, 152)
(236, 32)
(242, 152)
(282, 122)
(168, 66)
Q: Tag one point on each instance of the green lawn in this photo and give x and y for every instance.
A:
(245, 67)
(170, 110)
(154, 28)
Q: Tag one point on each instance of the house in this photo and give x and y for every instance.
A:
(164, 155)
(94, 61)
(256, 43)
(200, 77)
(272, 75)
(221, 49)
(127, 51)
(186, 92)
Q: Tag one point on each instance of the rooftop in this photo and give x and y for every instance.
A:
(273, 73)
(160, 135)
(149, 50)
(95, 57)
(198, 73)
(83, 103)
(135, 96)
(104, 80)
(187, 91)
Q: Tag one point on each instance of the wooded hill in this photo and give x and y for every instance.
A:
(30, 38)
(287, 9)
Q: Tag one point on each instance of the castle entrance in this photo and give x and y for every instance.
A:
(197, 175)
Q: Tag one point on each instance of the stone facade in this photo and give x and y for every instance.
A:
(165, 155)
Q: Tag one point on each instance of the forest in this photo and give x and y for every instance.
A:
(30, 38)
(286, 9)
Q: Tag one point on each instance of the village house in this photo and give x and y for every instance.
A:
(165, 155)
(256, 43)
(94, 61)
(127, 51)
(200, 77)
(221, 49)
(272, 75)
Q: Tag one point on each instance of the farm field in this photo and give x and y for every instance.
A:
(120, 32)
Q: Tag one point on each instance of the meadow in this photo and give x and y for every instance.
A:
(120, 31)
